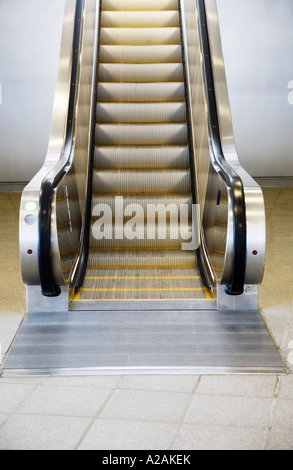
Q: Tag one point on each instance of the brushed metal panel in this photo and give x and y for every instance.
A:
(143, 342)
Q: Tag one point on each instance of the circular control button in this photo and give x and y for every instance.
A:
(30, 219)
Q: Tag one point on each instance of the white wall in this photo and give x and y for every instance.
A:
(30, 34)
(257, 38)
(258, 48)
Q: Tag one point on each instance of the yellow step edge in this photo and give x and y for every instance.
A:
(158, 248)
(141, 267)
(137, 289)
(140, 300)
(139, 277)
(207, 293)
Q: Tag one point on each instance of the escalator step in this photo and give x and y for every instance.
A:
(156, 134)
(137, 113)
(141, 92)
(134, 5)
(141, 54)
(120, 182)
(140, 36)
(141, 259)
(142, 157)
(161, 236)
(143, 201)
(138, 19)
(140, 73)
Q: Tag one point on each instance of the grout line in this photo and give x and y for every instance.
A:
(271, 415)
(184, 414)
(84, 434)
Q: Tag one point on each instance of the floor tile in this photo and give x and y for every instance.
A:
(100, 381)
(167, 383)
(11, 396)
(146, 406)
(248, 386)
(286, 387)
(64, 401)
(283, 416)
(27, 432)
(280, 440)
(196, 437)
(229, 411)
(128, 435)
(3, 418)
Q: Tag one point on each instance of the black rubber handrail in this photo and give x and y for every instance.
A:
(78, 279)
(226, 172)
(50, 182)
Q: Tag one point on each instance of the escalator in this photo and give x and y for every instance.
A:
(142, 237)
(142, 157)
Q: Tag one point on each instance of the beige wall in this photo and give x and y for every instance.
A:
(258, 49)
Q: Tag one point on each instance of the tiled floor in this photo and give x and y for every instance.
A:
(153, 412)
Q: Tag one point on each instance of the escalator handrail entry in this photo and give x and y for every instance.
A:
(51, 181)
(229, 176)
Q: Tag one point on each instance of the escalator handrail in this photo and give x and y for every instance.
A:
(51, 181)
(225, 171)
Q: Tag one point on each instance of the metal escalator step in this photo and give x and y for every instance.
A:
(143, 283)
(140, 36)
(138, 283)
(140, 73)
(143, 274)
(141, 92)
(137, 113)
(140, 54)
(136, 19)
(148, 134)
(141, 259)
(134, 5)
(144, 237)
(154, 294)
(142, 182)
(142, 157)
(117, 206)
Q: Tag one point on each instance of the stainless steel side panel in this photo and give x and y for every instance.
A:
(69, 198)
(29, 233)
(208, 181)
(255, 210)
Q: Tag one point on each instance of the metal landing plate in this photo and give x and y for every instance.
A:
(101, 342)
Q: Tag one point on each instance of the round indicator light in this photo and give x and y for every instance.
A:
(29, 252)
(30, 206)
(254, 252)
